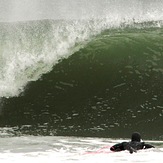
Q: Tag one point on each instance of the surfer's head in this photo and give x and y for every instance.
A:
(136, 137)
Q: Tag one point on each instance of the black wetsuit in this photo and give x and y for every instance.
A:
(132, 146)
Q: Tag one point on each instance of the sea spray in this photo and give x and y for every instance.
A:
(31, 49)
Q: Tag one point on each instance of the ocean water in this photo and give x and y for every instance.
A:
(80, 69)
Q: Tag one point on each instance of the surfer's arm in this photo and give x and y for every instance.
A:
(118, 147)
(146, 146)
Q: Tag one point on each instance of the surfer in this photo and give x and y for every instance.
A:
(132, 146)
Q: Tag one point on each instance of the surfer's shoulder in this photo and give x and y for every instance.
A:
(119, 147)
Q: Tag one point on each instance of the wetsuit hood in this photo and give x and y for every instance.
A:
(136, 137)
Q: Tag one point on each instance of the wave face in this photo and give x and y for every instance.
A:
(99, 74)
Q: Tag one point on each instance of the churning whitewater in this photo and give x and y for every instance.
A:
(72, 150)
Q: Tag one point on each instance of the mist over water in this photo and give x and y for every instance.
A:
(91, 68)
(15, 10)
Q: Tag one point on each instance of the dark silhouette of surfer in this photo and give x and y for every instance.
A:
(132, 146)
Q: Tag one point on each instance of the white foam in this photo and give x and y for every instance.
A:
(70, 150)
